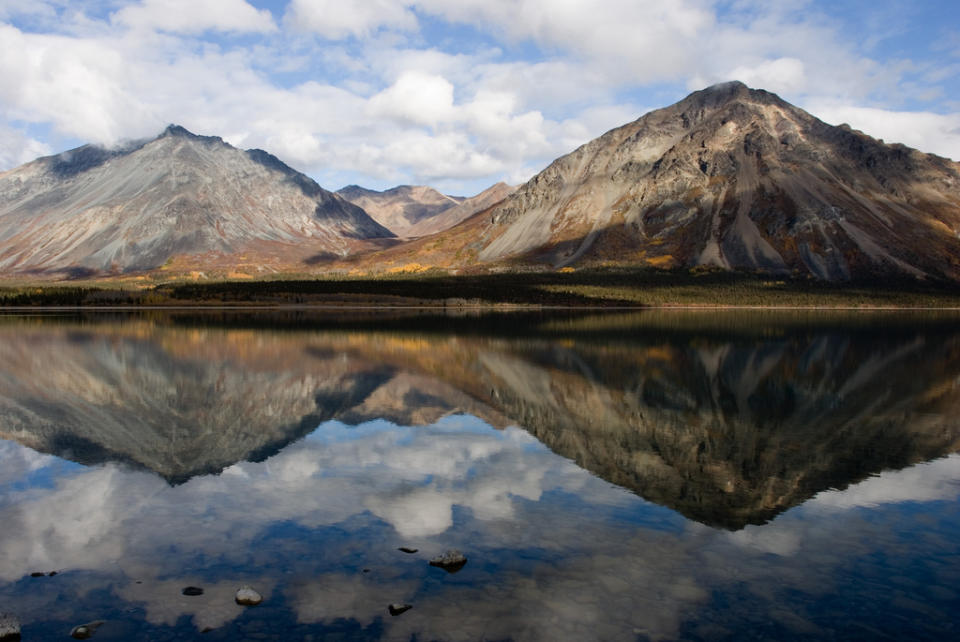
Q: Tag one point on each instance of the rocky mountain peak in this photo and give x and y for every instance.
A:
(177, 131)
(737, 178)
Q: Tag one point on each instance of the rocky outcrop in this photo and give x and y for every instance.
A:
(137, 207)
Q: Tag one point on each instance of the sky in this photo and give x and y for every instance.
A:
(457, 94)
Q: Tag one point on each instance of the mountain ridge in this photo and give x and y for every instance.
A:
(728, 178)
(137, 206)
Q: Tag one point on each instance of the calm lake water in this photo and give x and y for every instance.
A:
(661, 475)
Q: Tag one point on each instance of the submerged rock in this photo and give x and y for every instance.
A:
(397, 609)
(84, 631)
(451, 561)
(246, 596)
(9, 628)
(407, 549)
(192, 590)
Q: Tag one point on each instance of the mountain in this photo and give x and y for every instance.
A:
(414, 211)
(400, 208)
(730, 177)
(467, 208)
(134, 208)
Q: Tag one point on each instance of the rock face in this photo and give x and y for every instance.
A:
(95, 210)
(400, 208)
(735, 178)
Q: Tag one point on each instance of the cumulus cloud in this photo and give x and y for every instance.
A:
(780, 75)
(195, 16)
(386, 91)
(417, 98)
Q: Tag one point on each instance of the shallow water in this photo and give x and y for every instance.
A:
(668, 475)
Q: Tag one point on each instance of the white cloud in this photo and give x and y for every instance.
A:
(781, 75)
(195, 16)
(17, 148)
(391, 102)
(937, 480)
(417, 98)
(335, 19)
(928, 132)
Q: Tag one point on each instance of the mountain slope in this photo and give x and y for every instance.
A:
(729, 177)
(400, 208)
(91, 209)
(467, 208)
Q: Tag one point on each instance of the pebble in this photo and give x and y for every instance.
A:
(246, 596)
(451, 561)
(84, 631)
(397, 609)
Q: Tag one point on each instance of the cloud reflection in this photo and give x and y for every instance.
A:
(555, 553)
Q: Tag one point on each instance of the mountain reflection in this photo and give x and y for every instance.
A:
(728, 423)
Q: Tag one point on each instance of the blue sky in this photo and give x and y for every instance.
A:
(459, 94)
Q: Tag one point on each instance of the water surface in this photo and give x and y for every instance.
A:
(668, 475)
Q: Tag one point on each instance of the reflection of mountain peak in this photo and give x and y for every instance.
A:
(728, 430)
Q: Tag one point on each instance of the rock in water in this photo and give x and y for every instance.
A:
(192, 591)
(9, 628)
(397, 609)
(246, 596)
(451, 561)
(84, 631)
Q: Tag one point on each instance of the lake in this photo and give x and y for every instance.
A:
(662, 475)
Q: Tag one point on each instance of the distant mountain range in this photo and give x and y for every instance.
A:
(418, 210)
(728, 178)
